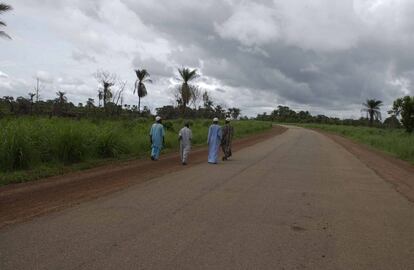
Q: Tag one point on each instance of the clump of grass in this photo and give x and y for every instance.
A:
(109, 144)
(16, 152)
(70, 145)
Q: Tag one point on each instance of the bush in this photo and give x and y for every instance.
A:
(71, 145)
(15, 149)
(405, 107)
(109, 144)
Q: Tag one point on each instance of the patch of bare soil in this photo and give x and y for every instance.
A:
(20, 202)
(395, 171)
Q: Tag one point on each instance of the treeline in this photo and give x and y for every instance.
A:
(208, 109)
(61, 107)
(284, 114)
(110, 94)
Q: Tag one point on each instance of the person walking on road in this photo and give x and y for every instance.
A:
(213, 141)
(227, 137)
(185, 136)
(156, 138)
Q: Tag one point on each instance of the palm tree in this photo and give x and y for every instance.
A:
(187, 75)
(4, 8)
(31, 95)
(61, 97)
(142, 76)
(107, 94)
(100, 97)
(372, 108)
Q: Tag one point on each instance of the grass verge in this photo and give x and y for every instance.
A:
(396, 142)
(33, 147)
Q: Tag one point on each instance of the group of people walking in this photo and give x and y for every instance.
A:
(217, 136)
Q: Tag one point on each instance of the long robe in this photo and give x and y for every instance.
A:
(226, 140)
(213, 141)
(185, 135)
(157, 137)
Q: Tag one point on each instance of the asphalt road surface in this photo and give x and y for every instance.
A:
(295, 201)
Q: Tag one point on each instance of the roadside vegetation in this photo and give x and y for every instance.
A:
(36, 147)
(396, 142)
(394, 135)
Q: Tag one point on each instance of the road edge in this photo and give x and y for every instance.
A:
(397, 172)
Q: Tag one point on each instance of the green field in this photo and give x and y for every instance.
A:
(396, 142)
(34, 147)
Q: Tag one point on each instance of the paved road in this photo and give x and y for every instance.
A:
(296, 201)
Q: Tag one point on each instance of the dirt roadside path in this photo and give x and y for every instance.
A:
(399, 173)
(21, 202)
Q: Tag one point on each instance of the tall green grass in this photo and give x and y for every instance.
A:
(34, 147)
(396, 142)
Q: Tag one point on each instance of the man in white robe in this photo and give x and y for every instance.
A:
(185, 136)
(213, 141)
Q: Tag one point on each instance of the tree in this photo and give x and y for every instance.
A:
(187, 75)
(61, 99)
(219, 111)
(234, 112)
(207, 101)
(90, 103)
(195, 95)
(404, 107)
(118, 96)
(107, 94)
(9, 100)
(142, 77)
(372, 108)
(100, 97)
(106, 80)
(392, 122)
(4, 8)
(31, 96)
(23, 105)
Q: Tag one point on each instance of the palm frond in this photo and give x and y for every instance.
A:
(3, 34)
(4, 8)
(187, 74)
(142, 75)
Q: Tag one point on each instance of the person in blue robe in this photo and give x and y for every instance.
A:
(213, 141)
(156, 138)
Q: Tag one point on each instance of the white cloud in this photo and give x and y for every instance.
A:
(251, 24)
(44, 76)
(3, 75)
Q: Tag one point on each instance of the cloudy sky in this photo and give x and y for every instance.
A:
(325, 56)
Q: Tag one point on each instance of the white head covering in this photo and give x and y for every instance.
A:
(228, 119)
(157, 118)
(215, 119)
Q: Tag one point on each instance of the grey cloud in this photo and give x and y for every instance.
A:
(154, 67)
(322, 54)
(81, 56)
